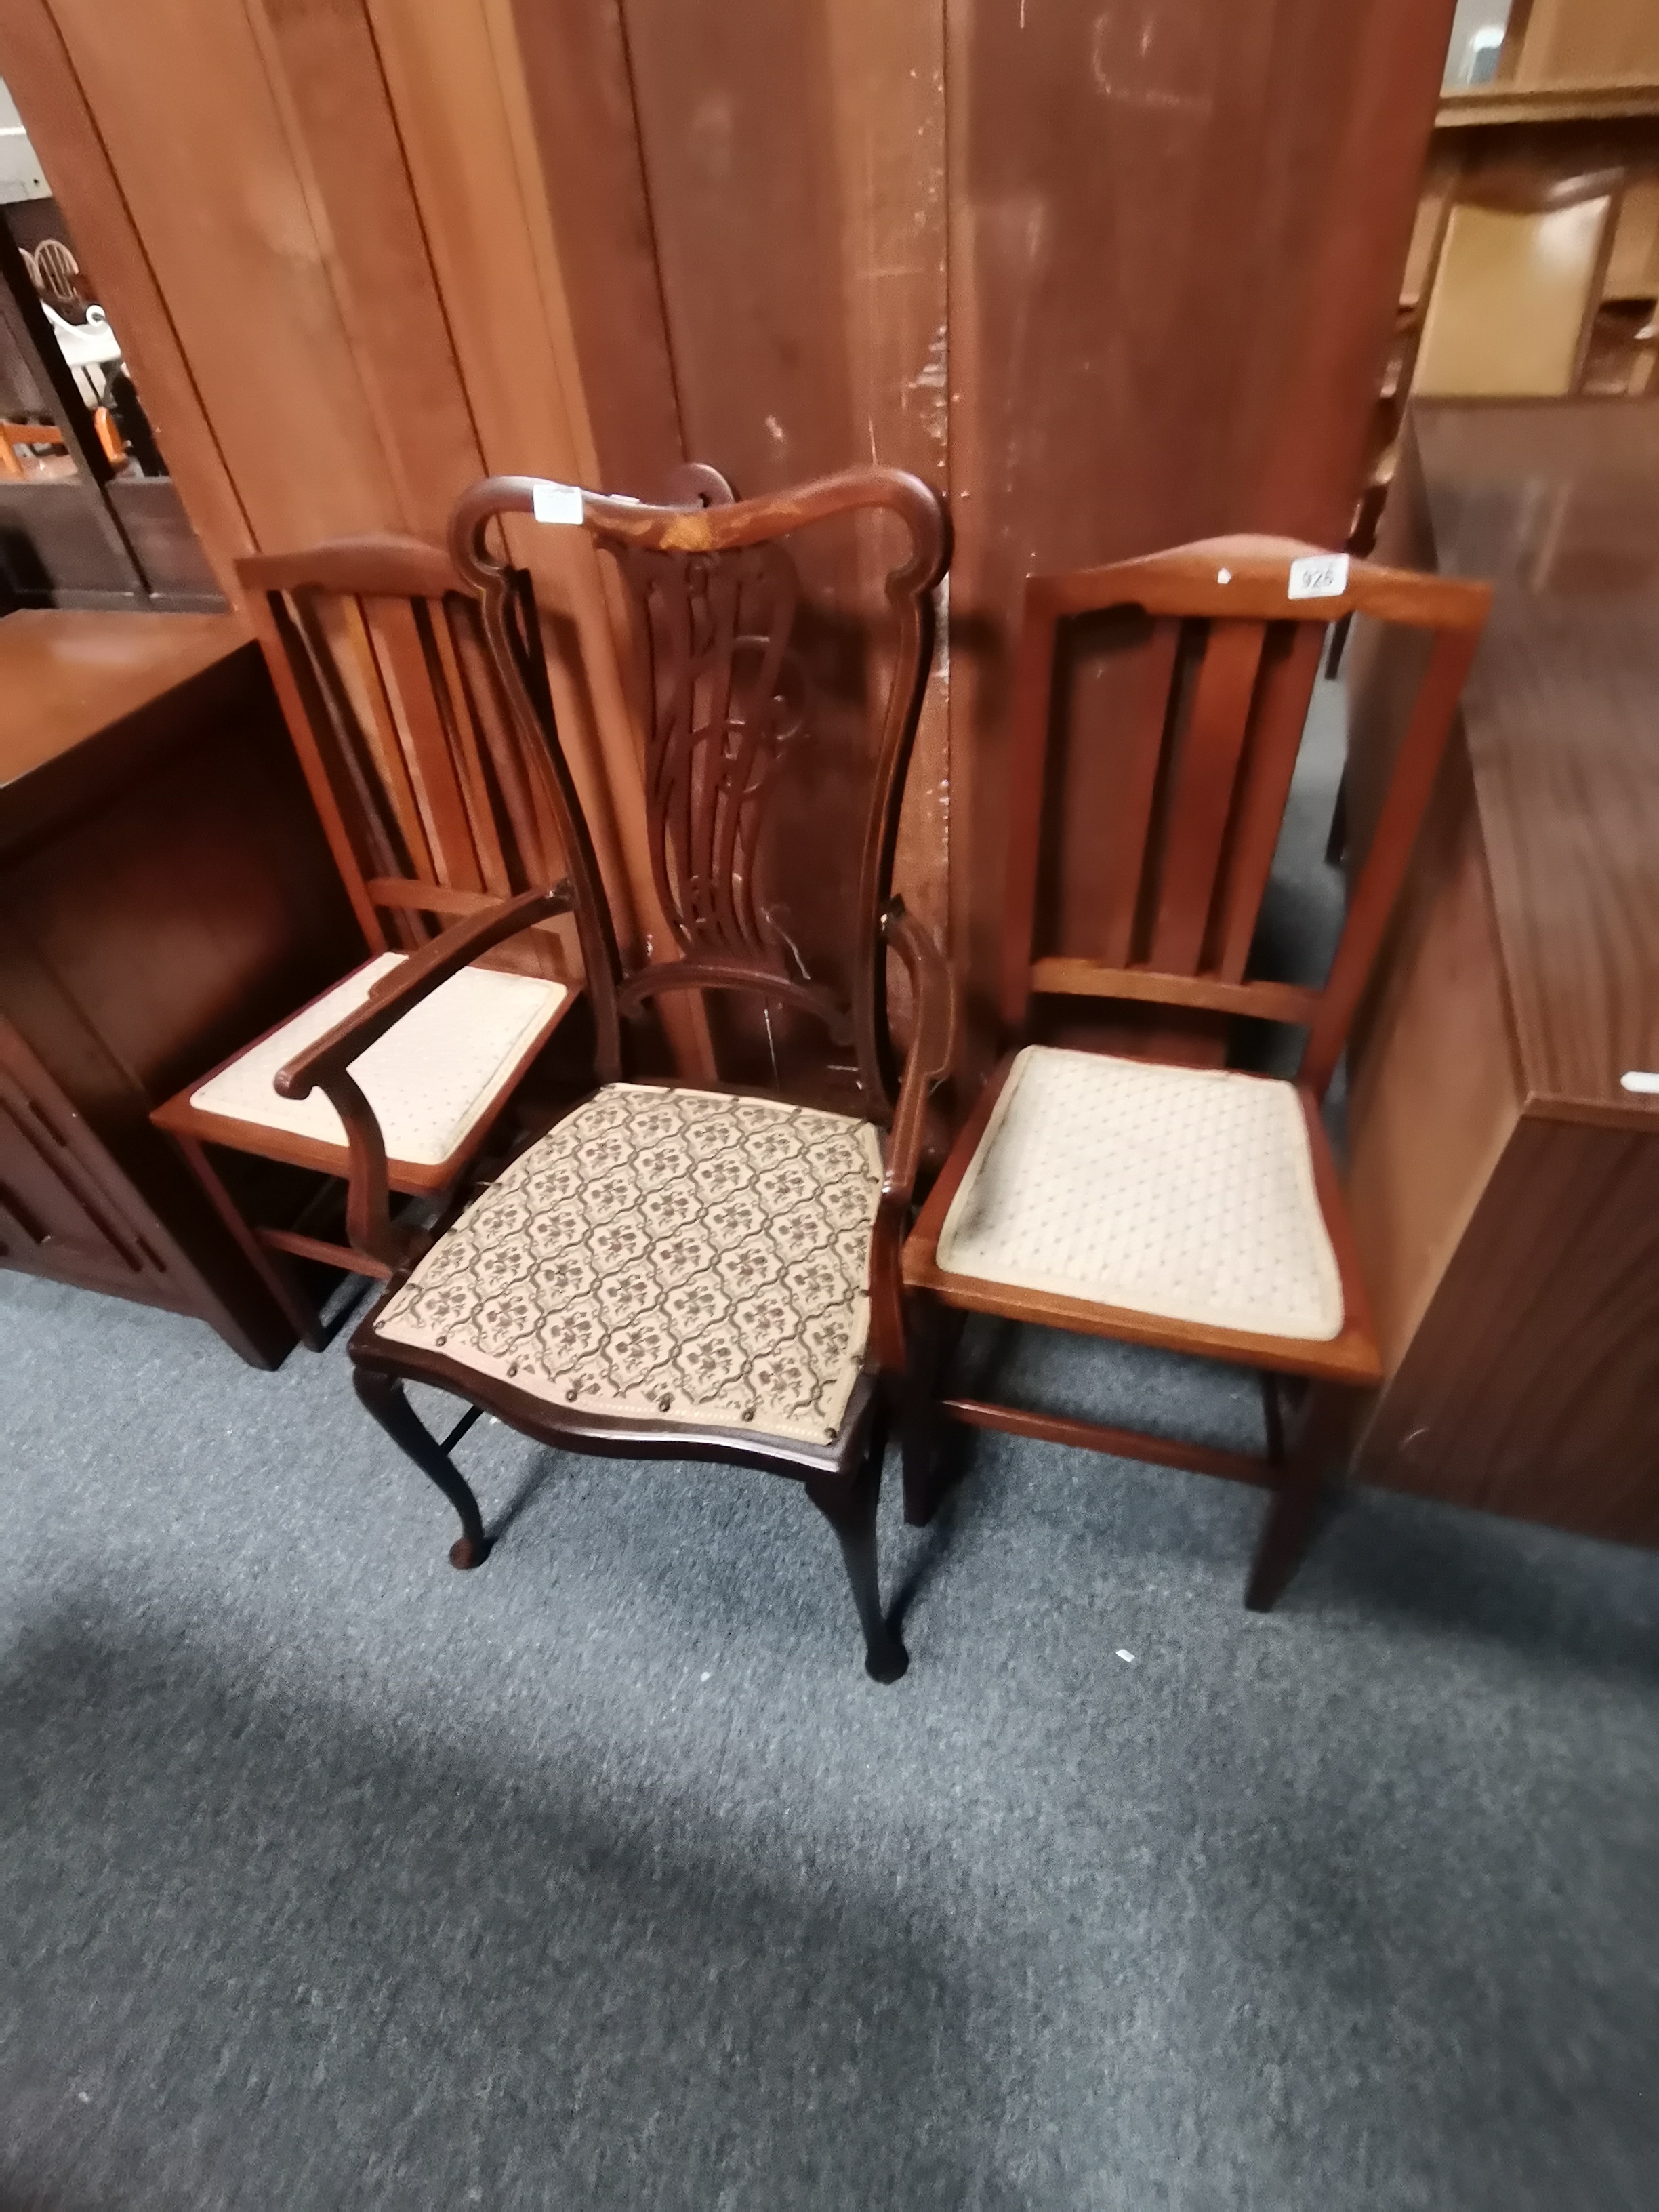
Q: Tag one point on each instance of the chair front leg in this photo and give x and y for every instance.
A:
(1321, 1442)
(849, 1506)
(384, 1396)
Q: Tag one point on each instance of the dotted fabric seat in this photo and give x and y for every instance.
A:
(1186, 1193)
(431, 1079)
(666, 1255)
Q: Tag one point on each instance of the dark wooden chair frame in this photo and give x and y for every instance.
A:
(1232, 782)
(843, 1479)
(398, 875)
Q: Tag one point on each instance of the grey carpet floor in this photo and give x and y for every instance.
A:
(602, 1877)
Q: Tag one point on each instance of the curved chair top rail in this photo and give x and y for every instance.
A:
(703, 853)
(1249, 577)
(388, 563)
(712, 529)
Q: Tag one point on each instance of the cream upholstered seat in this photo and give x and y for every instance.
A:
(1183, 1192)
(666, 1254)
(431, 1080)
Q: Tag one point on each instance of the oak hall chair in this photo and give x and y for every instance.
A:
(1197, 1209)
(674, 1271)
(397, 710)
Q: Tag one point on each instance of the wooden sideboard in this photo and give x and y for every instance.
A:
(1505, 1180)
(166, 892)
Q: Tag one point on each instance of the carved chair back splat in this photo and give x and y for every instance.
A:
(668, 1272)
(727, 708)
(1226, 659)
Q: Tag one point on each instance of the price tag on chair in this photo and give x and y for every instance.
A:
(1319, 577)
(556, 503)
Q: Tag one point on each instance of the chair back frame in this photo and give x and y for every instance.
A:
(432, 805)
(1220, 793)
(713, 596)
(1514, 190)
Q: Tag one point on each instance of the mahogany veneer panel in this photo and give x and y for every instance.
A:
(1506, 1186)
(166, 892)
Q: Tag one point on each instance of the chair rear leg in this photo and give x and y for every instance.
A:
(850, 1507)
(930, 1331)
(385, 1397)
(1321, 1438)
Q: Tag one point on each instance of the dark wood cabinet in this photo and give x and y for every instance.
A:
(166, 892)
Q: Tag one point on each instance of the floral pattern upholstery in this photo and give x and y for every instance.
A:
(666, 1254)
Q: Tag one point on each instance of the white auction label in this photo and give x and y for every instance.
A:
(556, 503)
(1320, 576)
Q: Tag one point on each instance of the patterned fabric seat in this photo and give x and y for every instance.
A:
(668, 1255)
(1183, 1192)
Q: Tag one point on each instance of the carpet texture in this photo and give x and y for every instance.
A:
(602, 1877)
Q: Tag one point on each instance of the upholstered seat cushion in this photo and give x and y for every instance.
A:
(666, 1255)
(1188, 1193)
(431, 1079)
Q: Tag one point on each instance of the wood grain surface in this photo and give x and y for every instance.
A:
(1503, 1184)
(1556, 501)
(64, 676)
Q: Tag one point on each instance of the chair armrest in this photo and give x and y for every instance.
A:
(934, 995)
(328, 1062)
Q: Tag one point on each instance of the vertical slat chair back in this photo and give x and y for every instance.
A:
(433, 806)
(727, 700)
(1227, 659)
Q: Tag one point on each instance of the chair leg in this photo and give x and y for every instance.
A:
(930, 1332)
(850, 1509)
(1336, 843)
(384, 1396)
(1327, 1421)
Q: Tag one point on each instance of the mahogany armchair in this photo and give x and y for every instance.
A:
(432, 809)
(1198, 1209)
(676, 1272)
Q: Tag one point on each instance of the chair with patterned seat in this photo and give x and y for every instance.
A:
(1197, 1209)
(676, 1271)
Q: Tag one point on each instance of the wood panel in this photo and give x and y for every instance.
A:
(579, 90)
(1556, 501)
(1433, 1094)
(162, 882)
(1532, 1387)
(1587, 42)
(1176, 238)
(1506, 1186)
(321, 57)
(457, 86)
(794, 167)
(187, 110)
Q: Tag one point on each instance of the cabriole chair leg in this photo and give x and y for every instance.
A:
(850, 1509)
(1321, 1437)
(383, 1395)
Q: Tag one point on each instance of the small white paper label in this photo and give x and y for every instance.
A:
(556, 503)
(1320, 576)
(1642, 1080)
